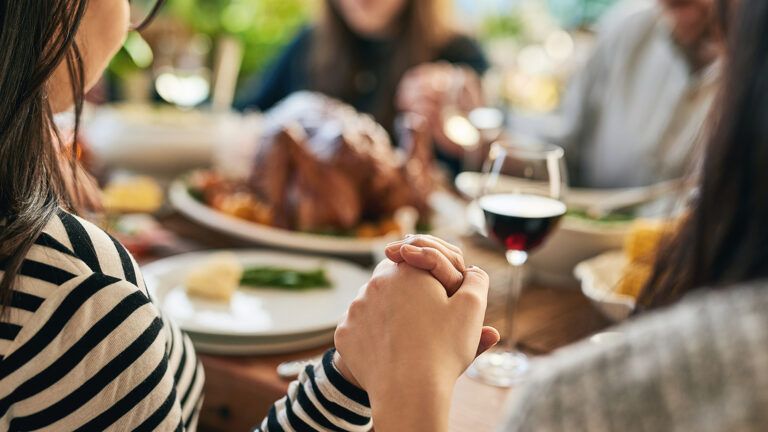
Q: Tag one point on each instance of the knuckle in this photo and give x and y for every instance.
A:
(375, 286)
(473, 300)
(449, 245)
(438, 261)
(458, 276)
(432, 253)
(482, 275)
(341, 335)
(416, 240)
(458, 262)
(435, 239)
(383, 266)
(455, 249)
(355, 310)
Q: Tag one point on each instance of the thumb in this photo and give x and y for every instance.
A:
(489, 337)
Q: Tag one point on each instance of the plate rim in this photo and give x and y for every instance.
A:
(263, 348)
(182, 201)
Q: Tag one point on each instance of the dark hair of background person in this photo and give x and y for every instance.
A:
(35, 37)
(724, 239)
(422, 31)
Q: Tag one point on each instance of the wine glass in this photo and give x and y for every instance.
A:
(181, 73)
(525, 183)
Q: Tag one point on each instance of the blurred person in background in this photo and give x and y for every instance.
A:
(632, 116)
(697, 363)
(382, 57)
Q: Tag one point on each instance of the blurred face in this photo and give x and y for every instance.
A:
(101, 34)
(371, 18)
(692, 20)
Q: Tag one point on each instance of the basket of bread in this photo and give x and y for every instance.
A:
(613, 281)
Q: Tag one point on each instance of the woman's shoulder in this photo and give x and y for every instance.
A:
(70, 247)
(69, 257)
(463, 49)
(91, 343)
(80, 309)
(73, 238)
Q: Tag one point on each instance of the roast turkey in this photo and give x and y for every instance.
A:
(322, 165)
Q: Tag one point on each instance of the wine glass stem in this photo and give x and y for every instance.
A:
(517, 260)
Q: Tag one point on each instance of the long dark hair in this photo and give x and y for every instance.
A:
(724, 239)
(35, 37)
(424, 29)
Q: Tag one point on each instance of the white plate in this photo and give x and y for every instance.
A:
(599, 277)
(231, 339)
(255, 312)
(261, 348)
(263, 234)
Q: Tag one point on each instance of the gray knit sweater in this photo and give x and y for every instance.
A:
(699, 366)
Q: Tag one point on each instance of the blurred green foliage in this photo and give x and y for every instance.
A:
(264, 26)
(503, 25)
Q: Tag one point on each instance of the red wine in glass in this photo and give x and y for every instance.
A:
(521, 222)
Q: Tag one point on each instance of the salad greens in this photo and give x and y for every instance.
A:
(284, 278)
(609, 218)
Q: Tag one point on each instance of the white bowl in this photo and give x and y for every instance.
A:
(599, 277)
(574, 241)
(158, 141)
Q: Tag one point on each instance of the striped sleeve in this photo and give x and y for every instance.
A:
(320, 400)
(99, 360)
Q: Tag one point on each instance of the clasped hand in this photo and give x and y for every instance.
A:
(414, 329)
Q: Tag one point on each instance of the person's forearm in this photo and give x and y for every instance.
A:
(417, 406)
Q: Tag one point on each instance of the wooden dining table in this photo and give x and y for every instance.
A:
(240, 390)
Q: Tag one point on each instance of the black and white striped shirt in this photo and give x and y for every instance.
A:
(320, 400)
(82, 347)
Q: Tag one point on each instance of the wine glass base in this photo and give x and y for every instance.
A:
(500, 368)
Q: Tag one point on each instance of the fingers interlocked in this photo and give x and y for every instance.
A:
(443, 260)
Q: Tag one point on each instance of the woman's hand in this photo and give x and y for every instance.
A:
(428, 88)
(406, 342)
(445, 262)
(424, 90)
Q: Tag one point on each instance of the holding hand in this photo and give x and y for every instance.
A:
(446, 264)
(406, 341)
(429, 88)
